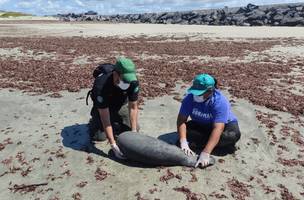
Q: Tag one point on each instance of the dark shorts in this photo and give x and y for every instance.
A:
(199, 134)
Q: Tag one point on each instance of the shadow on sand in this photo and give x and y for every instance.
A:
(77, 138)
(170, 138)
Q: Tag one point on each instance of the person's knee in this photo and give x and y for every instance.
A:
(229, 138)
(234, 136)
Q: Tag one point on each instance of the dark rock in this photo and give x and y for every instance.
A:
(278, 18)
(282, 11)
(189, 16)
(248, 8)
(238, 19)
(135, 17)
(251, 7)
(256, 23)
(256, 15)
(91, 13)
(292, 21)
(148, 18)
(197, 20)
(276, 15)
(299, 8)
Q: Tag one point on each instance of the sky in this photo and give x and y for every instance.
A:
(108, 7)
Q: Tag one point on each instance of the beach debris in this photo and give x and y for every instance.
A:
(90, 160)
(138, 195)
(7, 161)
(267, 189)
(27, 171)
(38, 80)
(22, 188)
(21, 158)
(218, 196)
(101, 174)
(5, 143)
(193, 177)
(55, 95)
(76, 196)
(152, 190)
(190, 195)
(285, 194)
(67, 172)
(221, 160)
(82, 184)
(291, 162)
(169, 175)
(238, 189)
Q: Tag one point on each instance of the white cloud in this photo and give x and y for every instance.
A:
(80, 3)
(24, 4)
(3, 1)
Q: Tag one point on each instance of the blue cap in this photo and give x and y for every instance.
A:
(201, 84)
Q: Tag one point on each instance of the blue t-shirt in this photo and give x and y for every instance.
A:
(216, 109)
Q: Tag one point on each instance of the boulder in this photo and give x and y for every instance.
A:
(238, 19)
(256, 22)
(134, 17)
(256, 15)
(147, 18)
(250, 7)
(189, 16)
(292, 21)
(278, 17)
(197, 20)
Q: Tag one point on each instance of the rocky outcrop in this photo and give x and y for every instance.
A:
(251, 15)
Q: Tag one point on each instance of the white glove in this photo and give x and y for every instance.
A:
(185, 147)
(117, 151)
(137, 128)
(204, 160)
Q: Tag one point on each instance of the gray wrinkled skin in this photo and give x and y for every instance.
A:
(152, 151)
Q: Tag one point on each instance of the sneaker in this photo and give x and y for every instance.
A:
(222, 151)
(99, 136)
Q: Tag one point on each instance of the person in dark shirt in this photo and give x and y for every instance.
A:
(110, 92)
(212, 123)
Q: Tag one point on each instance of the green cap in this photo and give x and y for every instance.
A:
(201, 84)
(126, 68)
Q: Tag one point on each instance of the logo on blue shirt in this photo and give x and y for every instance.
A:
(200, 114)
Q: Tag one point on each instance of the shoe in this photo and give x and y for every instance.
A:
(94, 131)
(222, 151)
(99, 136)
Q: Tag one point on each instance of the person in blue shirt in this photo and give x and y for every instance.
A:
(212, 123)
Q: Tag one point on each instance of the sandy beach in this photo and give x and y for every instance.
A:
(45, 73)
(86, 29)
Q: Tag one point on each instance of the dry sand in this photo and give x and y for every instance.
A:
(52, 28)
(43, 136)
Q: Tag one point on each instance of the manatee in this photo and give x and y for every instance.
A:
(154, 152)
